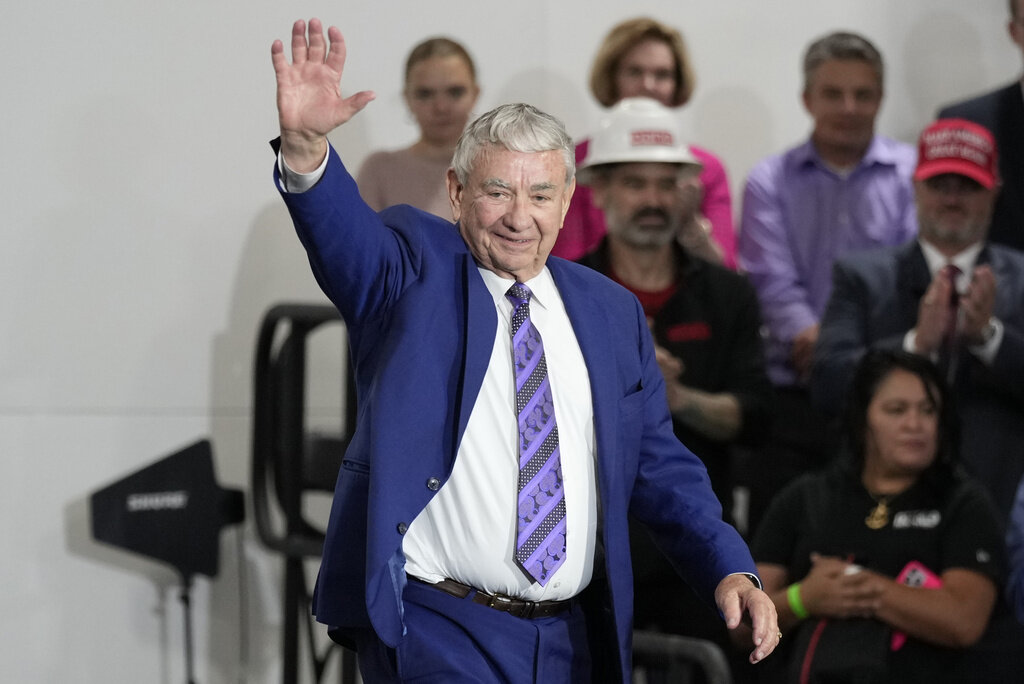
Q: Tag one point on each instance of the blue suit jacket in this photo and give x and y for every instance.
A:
(421, 325)
(874, 303)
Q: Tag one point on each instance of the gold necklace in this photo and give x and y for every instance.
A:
(879, 515)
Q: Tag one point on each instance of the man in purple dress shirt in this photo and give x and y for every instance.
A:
(844, 189)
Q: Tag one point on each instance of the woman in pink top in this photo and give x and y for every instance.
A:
(440, 91)
(644, 58)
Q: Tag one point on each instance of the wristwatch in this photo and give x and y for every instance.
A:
(990, 329)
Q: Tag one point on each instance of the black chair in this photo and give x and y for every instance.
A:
(678, 659)
(288, 463)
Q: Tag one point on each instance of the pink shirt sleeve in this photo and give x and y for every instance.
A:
(717, 204)
(584, 226)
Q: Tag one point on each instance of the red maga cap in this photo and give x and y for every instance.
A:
(957, 146)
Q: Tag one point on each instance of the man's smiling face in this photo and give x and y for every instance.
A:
(511, 208)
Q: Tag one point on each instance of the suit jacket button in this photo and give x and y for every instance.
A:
(402, 527)
(433, 484)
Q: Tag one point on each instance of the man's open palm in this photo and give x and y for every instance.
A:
(309, 100)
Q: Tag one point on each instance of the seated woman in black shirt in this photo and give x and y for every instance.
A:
(888, 562)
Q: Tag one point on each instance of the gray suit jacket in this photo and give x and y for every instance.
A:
(874, 303)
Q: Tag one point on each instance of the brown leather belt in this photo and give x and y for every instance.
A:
(513, 606)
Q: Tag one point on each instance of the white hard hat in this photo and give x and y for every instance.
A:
(637, 129)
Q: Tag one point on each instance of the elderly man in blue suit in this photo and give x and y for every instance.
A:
(511, 414)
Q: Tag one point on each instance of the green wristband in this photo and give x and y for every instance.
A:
(796, 603)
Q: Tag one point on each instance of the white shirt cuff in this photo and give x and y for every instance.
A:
(910, 345)
(754, 579)
(295, 182)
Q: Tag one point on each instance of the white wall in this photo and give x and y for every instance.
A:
(143, 239)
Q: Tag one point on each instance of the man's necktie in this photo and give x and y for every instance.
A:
(540, 538)
(948, 350)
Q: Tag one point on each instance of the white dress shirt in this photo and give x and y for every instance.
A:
(468, 530)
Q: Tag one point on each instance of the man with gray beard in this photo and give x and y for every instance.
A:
(704, 317)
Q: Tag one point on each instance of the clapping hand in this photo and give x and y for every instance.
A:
(933, 314)
(977, 305)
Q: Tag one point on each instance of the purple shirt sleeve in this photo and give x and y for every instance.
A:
(766, 256)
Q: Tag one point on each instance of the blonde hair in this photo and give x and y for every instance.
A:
(623, 38)
(438, 47)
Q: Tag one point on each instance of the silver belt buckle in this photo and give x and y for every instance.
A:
(500, 601)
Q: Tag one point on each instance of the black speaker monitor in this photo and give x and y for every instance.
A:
(171, 511)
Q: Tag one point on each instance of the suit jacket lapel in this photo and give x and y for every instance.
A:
(480, 321)
(590, 324)
(912, 279)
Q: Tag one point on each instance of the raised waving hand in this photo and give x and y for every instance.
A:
(309, 100)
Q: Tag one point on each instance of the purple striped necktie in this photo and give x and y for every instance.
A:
(540, 534)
